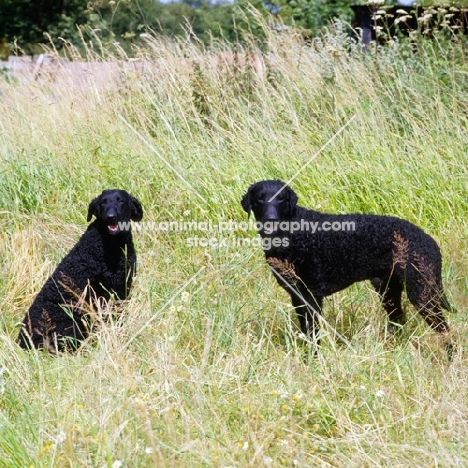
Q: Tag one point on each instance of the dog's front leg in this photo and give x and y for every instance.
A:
(308, 309)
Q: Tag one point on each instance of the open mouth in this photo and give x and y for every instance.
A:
(113, 228)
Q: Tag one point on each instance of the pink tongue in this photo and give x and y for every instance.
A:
(113, 227)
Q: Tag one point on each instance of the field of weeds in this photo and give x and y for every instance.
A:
(204, 366)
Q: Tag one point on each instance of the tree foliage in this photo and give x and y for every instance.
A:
(313, 15)
(27, 23)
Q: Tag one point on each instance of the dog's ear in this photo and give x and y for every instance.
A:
(245, 202)
(291, 201)
(92, 209)
(137, 209)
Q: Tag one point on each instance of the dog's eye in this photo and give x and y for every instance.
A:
(280, 198)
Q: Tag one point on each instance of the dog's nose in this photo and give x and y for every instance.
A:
(271, 214)
(111, 216)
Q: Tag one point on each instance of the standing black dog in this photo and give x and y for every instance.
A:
(100, 265)
(316, 254)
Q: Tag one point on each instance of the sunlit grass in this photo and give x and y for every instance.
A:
(217, 378)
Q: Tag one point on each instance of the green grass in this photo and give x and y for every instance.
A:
(216, 377)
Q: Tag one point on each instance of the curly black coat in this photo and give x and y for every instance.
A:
(314, 255)
(102, 264)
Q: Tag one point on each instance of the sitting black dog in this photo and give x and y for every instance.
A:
(100, 266)
(314, 255)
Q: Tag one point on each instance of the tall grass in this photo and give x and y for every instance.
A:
(216, 376)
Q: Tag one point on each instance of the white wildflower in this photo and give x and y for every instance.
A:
(425, 18)
(298, 395)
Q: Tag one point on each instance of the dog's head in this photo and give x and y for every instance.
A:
(270, 201)
(113, 207)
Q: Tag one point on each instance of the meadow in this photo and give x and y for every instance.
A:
(204, 366)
